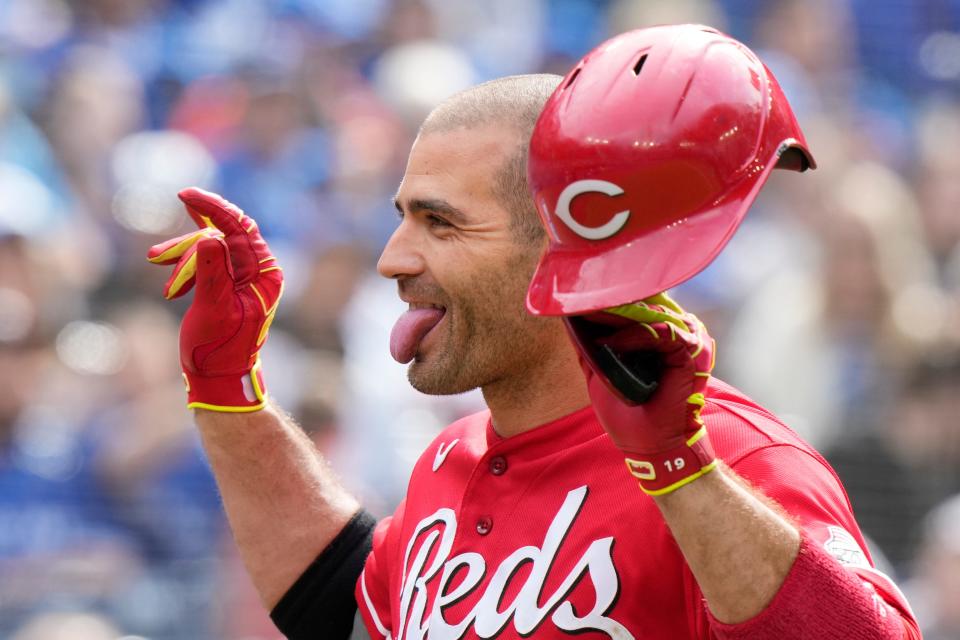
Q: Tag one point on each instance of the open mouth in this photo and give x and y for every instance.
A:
(412, 327)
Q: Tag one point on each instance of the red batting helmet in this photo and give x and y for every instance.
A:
(645, 160)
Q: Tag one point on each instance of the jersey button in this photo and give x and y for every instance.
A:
(498, 465)
(484, 525)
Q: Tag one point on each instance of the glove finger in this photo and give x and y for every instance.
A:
(198, 203)
(705, 360)
(664, 301)
(184, 275)
(249, 252)
(270, 301)
(649, 314)
(665, 320)
(171, 250)
(664, 337)
(214, 272)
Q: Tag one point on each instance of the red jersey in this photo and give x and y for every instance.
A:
(545, 534)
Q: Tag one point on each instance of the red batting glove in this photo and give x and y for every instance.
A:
(647, 365)
(238, 286)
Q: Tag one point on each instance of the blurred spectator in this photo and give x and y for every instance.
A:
(935, 590)
(98, 88)
(817, 35)
(895, 472)
(939, 189)
(59, 544)
(67, 626)
(630, 14)
(277, 162)
(331, 282)
(851, 325)
(148, 457)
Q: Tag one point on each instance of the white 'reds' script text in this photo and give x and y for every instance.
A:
(433, 538)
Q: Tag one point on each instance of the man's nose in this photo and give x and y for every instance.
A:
(402, 256)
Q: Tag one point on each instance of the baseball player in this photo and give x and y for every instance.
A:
(527, 519)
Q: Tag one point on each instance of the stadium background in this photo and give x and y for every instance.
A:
(837, 304)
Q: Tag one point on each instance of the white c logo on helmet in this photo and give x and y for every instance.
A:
(573, 190)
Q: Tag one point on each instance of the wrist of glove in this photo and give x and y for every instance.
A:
(647, 365)
(238, 285)
(229, 393)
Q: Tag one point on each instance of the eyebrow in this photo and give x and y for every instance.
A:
(432, 205)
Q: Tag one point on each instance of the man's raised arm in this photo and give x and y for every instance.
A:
(283, 503)
(762, 575)
(282, 500)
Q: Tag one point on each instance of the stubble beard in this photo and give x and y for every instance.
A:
(463, 359)
(486, 339)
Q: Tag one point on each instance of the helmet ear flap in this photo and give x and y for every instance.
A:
(794, 159)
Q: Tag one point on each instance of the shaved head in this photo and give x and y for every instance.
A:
(514, 102)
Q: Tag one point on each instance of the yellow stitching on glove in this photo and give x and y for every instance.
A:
(699, 349)
(257, 390)
(265, 328)
(698, 401)
(702, 431)
(263, 303)
(644, 313)
(676, 485)
(665, 300)
(269, 318)
(260, 393)
(222, 409)
(180, 248)
(653, 332)
(188, 271)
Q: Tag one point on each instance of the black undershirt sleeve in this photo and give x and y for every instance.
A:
(321, 602)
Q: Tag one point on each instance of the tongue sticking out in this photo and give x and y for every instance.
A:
(409, 330)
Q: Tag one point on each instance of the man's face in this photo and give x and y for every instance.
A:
(454, 249)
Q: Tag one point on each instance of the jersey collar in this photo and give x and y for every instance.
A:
(558, 435)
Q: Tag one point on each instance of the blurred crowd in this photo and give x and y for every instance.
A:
(837, 304)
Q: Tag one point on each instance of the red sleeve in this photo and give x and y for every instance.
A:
(373, 585)
(834, 564)
(820, 600)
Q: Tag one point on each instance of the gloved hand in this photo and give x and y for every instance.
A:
(647, 365)
(238, 286)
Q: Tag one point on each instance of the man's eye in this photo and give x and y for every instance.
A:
(437, 222)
